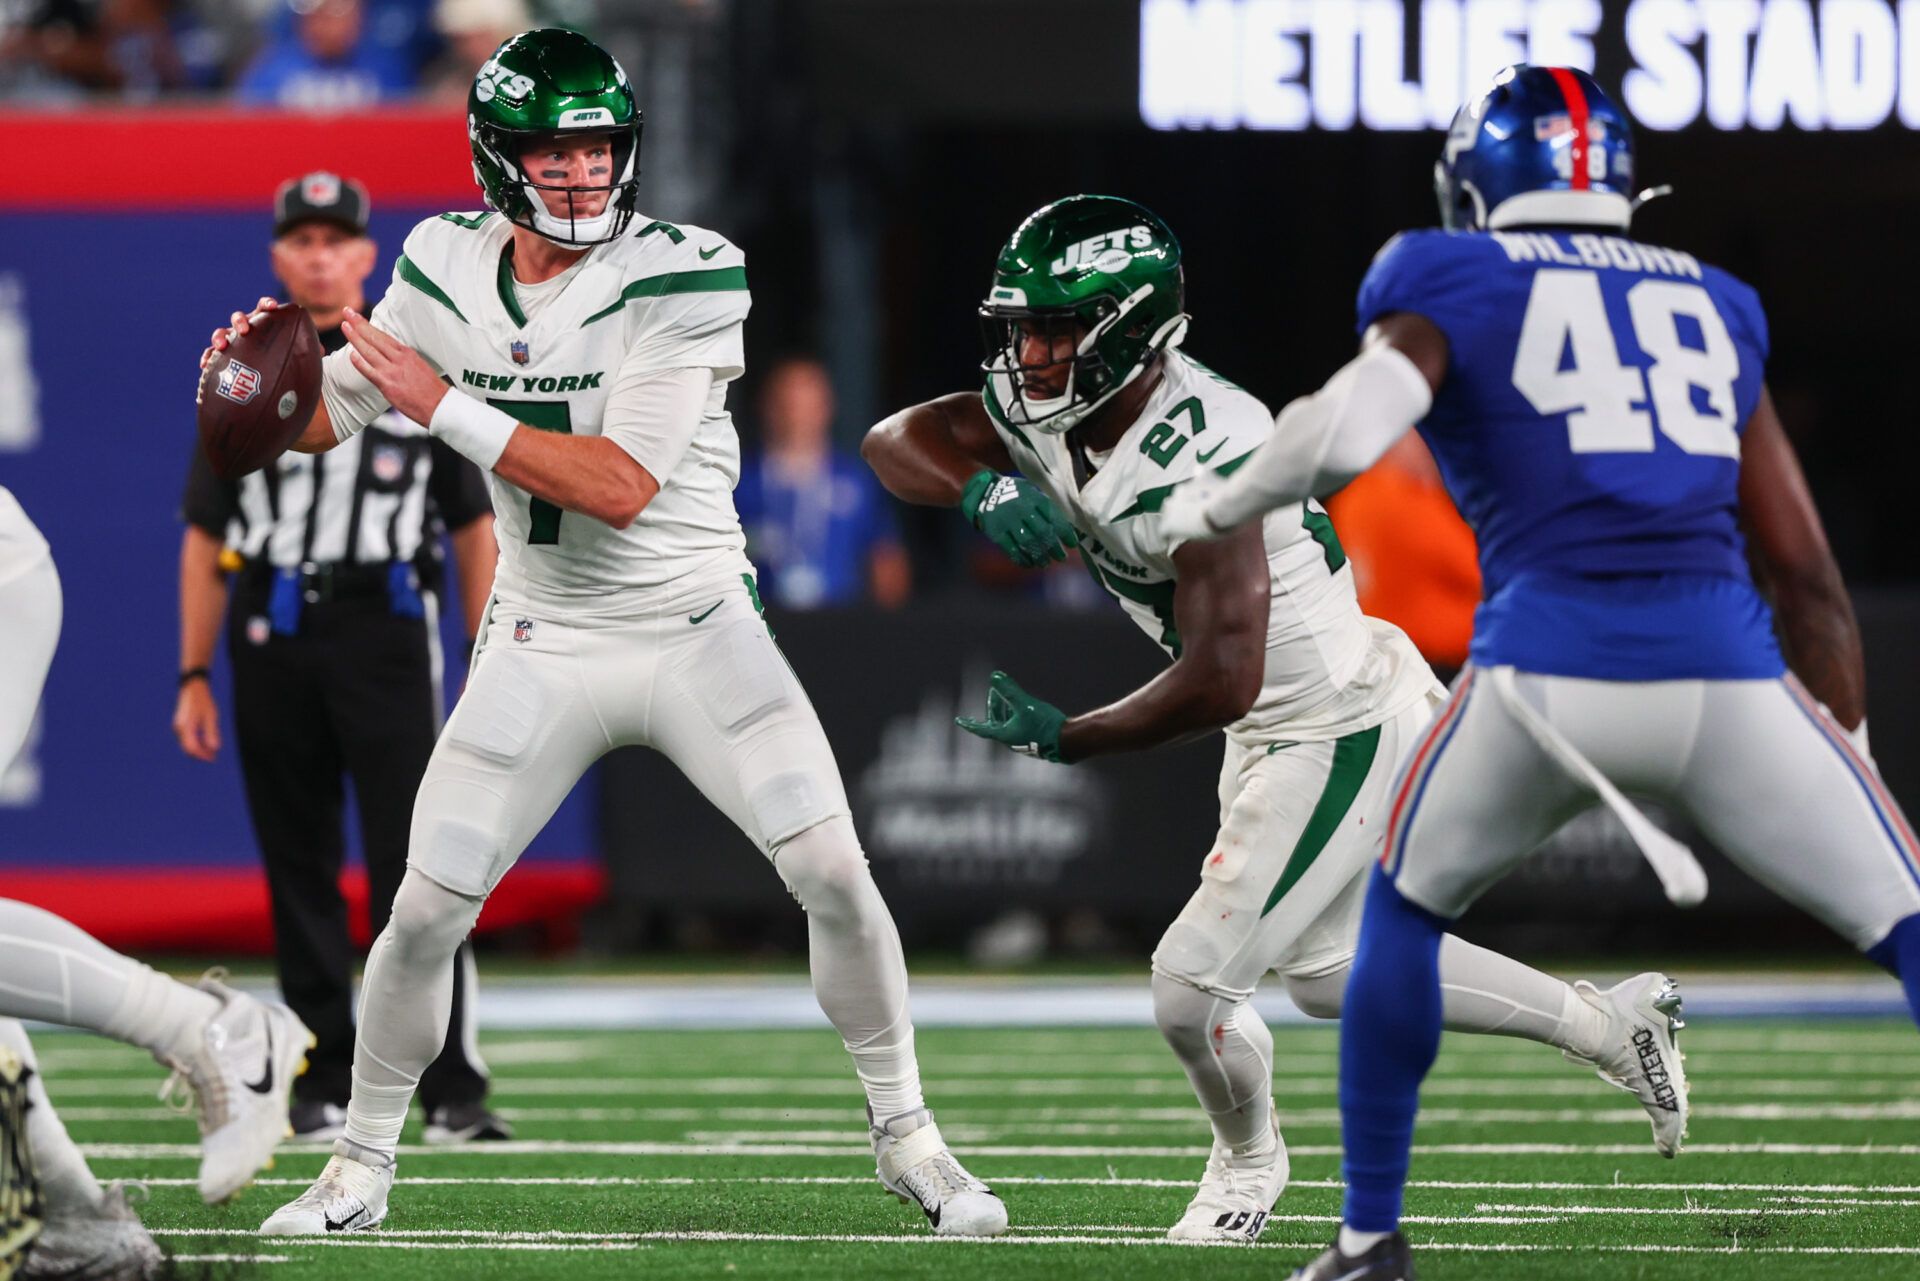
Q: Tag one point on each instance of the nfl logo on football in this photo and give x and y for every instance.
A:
(518, 350)
(522, 630)
(238, 383)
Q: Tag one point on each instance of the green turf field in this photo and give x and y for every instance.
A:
(741, 1154)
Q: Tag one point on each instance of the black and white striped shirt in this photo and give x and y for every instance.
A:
(380, 496)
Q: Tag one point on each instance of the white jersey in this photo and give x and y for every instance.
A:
(22, 546)
(1331, 671)
(661, 297)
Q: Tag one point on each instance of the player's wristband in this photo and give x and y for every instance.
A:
(478, 431)
(195, 674)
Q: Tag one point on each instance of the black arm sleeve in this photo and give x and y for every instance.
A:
(208, 503)
(457, 488)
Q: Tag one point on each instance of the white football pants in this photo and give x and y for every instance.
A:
(1757, 765)
(699, 679)
(1282, 889)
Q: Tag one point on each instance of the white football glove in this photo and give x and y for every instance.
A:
(1183, 514)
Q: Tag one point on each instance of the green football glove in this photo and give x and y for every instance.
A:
(1018, 517)
(1018, 719)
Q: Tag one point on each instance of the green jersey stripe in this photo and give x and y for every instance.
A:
(1148, 501)
(418, 279)
(999, 415)
(1352, 761)
(713, 280)
(503, 281)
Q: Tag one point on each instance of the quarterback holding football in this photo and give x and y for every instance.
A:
(580, 355)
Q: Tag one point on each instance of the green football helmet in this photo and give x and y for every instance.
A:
(1097, 273)
(545, 83)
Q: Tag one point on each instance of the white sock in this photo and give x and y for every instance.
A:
(859, 971)
(1485, 992)
(1482, 991)
(406, 1002)
(1227, 1051)
(1354, 1243)
(58, 973)
(70, 1187)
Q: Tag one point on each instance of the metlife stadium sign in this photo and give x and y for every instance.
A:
(1407, 64)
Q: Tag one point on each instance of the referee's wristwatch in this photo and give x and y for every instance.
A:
(195, 674)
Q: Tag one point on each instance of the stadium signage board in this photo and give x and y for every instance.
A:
(1392, 65)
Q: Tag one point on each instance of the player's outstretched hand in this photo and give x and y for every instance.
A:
(1183, 513)
(1027, 724)
(237, 324)
(401, 373)
(1018, 517)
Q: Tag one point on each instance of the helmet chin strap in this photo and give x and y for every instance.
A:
(572, 233)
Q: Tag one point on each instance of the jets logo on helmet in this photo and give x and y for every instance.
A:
(1085, 296)
(539, 86)
(1543, 146)
(495, 80)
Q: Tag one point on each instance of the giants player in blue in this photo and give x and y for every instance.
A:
(1598, 410)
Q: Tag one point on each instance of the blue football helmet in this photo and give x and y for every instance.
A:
(1542, 146)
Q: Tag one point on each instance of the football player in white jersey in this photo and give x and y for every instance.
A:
(1090, 398)
(236, 1056)
(586, 354)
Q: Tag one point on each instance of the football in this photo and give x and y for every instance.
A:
(258, 395)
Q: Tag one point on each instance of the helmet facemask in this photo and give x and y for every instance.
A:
(1095, 332)
(516, 194)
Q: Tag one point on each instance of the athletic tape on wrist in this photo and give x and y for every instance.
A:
(478, 431)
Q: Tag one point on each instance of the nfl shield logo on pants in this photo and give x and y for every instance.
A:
(518, 350)
(523, 630)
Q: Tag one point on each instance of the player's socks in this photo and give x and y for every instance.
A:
(1389, 1035)
(1486, 992)
(1354, 1243)
(69, 1185)
(1227, 1051)
(859, 970)
(406, 1003)
(1899, 954)
(58, 973)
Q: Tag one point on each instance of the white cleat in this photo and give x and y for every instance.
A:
(349, 1196)
(240, 1078)
(103, 1243)
(914, 1164)
(1236, 1193)
(1642, 1054)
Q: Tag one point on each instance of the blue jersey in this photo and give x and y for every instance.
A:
(1589, 430)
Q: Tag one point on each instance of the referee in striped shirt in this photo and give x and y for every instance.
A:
(333, 634)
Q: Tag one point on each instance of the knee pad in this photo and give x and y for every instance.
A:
(824, 866)
(1318, 997)
(429, 921)
(1185, 1014)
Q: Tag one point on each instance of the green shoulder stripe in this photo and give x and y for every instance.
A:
(999, 415)
(471, 224)
(1148, 501)
(418, 279)
(713, 280)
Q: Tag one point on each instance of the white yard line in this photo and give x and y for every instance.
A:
(1042, 1181)
(449, 1238)
(1104, 1122)
(523, 1147)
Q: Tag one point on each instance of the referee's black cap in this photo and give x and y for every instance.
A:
(320, 197)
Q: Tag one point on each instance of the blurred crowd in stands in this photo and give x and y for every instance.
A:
(307, 54)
